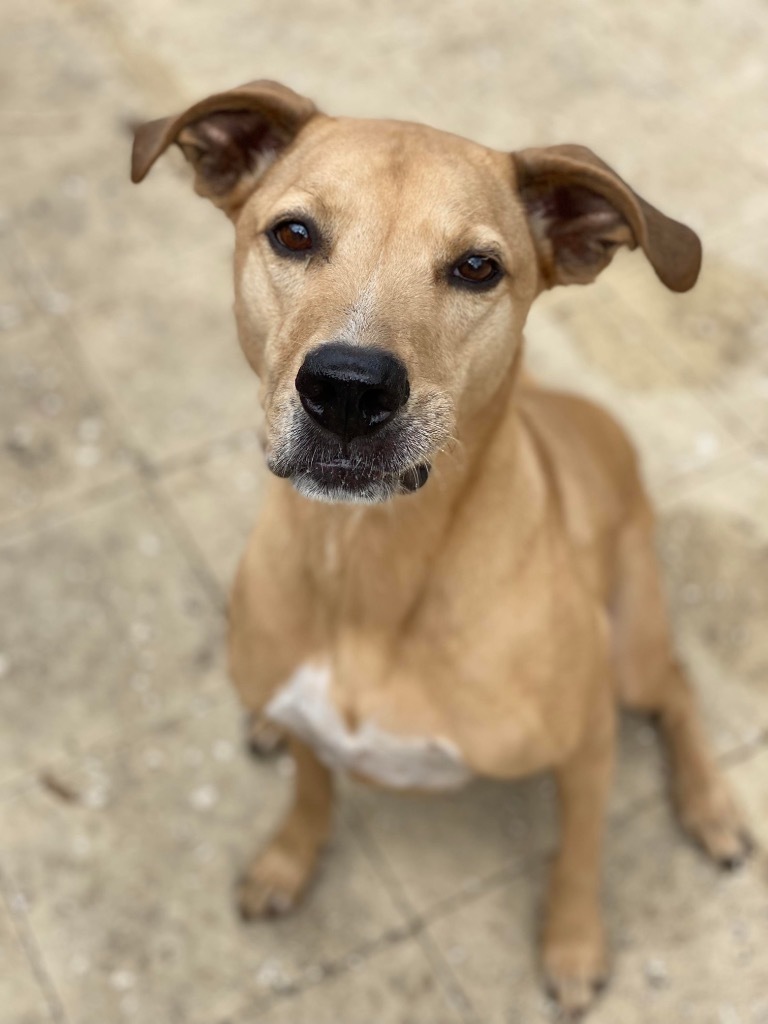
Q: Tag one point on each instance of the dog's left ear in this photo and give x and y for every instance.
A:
(580, 211)
(230, 138)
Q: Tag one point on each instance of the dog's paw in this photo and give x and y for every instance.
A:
(263, 738)
(575, 975)
(273, 884)
(711, 816)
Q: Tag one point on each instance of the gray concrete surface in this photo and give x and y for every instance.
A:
(129, 476)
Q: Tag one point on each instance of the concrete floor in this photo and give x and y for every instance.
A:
(129, 476)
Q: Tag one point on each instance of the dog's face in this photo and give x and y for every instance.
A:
(384, 271)
(383, 274)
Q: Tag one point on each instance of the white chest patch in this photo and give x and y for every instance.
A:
(303, 706)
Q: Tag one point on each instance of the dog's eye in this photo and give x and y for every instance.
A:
(291, 235)
(480, 271)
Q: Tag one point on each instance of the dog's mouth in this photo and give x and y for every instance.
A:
(352, 476)
(351, 480)
(364, 473)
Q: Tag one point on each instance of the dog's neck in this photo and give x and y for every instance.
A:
(359, 556)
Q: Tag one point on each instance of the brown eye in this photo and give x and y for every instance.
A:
(477, 270)
(292, 235)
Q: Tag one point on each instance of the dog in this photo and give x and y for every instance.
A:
(453, 573)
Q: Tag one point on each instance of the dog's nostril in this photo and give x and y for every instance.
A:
(315, 389)
(315, 393)
(378, 405)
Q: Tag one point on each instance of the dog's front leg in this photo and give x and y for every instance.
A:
(277, 878)
(574, 951)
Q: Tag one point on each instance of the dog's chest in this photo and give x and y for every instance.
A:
(303, 705)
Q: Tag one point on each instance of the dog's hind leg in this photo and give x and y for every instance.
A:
(652, 681)
(279, 875)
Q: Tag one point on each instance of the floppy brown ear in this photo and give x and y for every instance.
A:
(230, 138)
(580, 211)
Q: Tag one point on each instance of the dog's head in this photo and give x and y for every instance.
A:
(384, 271)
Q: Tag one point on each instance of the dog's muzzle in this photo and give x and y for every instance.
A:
(351, 441)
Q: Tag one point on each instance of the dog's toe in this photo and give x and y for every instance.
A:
(273, 884)
(257, 899)
(574, 979)
(574, 996)
(713, 819)
(264, 897)
(729, 847)
(263, 738)
(741, 849)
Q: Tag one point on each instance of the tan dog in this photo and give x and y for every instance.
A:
(476, 585)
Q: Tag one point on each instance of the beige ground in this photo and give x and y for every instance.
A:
(129, 476)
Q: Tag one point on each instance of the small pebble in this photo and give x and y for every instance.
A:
(122, 980)
(204, 797)
(656, 972)
(96, 798)
(271, 974)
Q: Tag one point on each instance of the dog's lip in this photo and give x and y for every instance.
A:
(351, 476)
(334, 464)
(344, 473)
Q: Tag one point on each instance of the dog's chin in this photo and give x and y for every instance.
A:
(338, 483)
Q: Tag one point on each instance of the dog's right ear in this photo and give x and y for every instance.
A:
(230, 139)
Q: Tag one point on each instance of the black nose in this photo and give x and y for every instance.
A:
(351, 391)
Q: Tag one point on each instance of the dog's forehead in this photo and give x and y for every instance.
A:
(368, 162)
